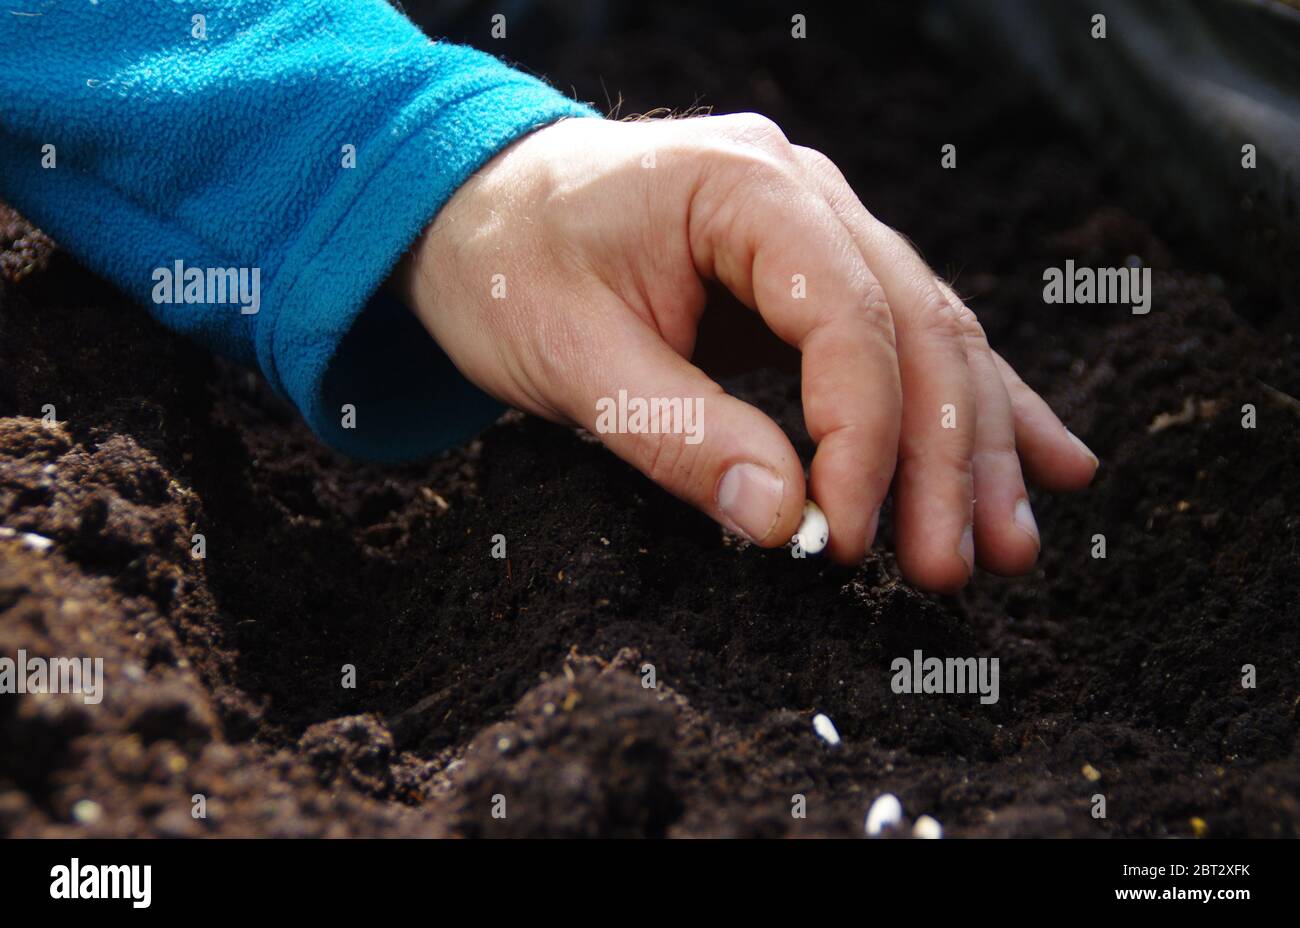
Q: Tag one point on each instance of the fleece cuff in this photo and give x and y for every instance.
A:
(324, 343)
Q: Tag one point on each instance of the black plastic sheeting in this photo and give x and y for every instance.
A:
(1171, 94)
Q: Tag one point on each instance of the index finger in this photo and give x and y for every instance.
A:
(760, 229)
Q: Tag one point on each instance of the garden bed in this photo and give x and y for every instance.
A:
(522, 677)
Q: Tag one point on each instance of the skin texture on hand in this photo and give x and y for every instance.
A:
(572, 265)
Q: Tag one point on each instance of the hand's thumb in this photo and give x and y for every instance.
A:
(660, 413)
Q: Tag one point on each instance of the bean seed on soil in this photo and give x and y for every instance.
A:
(826, 729)
(927, 827)
(37, 543)
(885, 812)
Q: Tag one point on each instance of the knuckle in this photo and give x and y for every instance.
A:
(756, 131)
(970, 326)
(996, 452)
(943, 319)
(938, 316)
(972, 332)
(834, 185)
(876, 309)
(967, 319)
(946, 462)
(818, 163)
(667, 460)
(744, 184)
(757, 167)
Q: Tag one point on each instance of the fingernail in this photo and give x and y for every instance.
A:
(966, 548)
(749, 497)
(872, 525)
(1024, 516)
(1082, 447)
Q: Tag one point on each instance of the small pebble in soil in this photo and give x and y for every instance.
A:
(814, 531)
(927, 827)
(885, 812)
(826, 729)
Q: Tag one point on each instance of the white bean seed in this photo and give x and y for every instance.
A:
(38, 543)
(885, 812)
(927, 827)
(826, 729)
(814, 531)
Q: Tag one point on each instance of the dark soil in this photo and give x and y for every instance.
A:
(521, 677)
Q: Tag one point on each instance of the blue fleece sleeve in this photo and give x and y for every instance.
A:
(251, 170)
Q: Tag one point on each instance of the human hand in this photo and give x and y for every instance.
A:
(571, 267)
